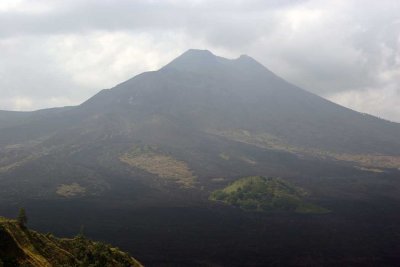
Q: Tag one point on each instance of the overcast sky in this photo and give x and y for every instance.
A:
(57, 53)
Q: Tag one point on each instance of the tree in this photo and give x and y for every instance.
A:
(22, 218)
(81, 234)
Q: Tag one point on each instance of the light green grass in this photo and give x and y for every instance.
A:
(258, 193)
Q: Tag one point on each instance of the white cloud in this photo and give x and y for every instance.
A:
(103, 59)
(25, 7)
(383, 103)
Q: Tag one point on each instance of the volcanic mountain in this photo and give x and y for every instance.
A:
(191, 115)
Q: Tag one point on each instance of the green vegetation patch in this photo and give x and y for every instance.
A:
(258, 193)
(376, 170)
(70, 190)
(23, 247)
(164, 166)
(224, 156)
(268, 141)
(15, 164)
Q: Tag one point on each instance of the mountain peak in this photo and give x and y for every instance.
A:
(198, 52)
(193, 59)
(197, 60)
(251, 65)
(244, 56)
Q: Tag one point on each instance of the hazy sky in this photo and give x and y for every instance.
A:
(56, 53)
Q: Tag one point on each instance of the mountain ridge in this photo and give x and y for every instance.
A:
(23, 247)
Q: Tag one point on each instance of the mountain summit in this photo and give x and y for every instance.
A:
(194, 59)
(204, 61)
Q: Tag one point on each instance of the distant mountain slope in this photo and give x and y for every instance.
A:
(23, 247)
(194, 109)
(204, 91)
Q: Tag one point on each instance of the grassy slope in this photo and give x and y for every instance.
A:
(265, 140)
(23, 247)
(164, 166)
(265, 194)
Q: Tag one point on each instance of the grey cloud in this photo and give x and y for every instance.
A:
(82, 16)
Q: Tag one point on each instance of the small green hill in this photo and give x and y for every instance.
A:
(20, 246)
(258, 193)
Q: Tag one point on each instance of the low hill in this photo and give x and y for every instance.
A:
(20, 246)
(258, 193)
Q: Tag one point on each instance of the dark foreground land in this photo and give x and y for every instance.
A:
(356, 233)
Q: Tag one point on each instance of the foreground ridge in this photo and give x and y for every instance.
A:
(20, 246)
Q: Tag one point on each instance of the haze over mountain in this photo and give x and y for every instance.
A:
(171, 137)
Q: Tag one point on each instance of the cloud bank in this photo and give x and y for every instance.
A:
(56, 53)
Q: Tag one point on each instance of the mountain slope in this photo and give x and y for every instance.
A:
(22, 247)
(205, 91)
(193, 109)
